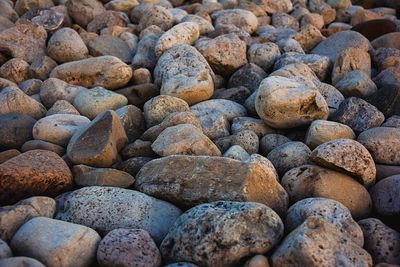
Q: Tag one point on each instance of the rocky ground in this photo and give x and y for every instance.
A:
(246, 133)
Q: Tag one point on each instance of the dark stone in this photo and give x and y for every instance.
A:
(385, 196)
(387, 99)
(238, 94)
(249, 76)
(388, 76)
(15, 130)
(139, 94)
(132, 165)
(373, 29)
(133, 121)
(49, 19)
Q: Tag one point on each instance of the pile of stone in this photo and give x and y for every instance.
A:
(199, 133)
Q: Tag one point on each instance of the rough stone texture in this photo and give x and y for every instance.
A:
(20, 262)
(145, 56)
(12, 123)
(184, 139)
(41, 67)
(389, 40)
(156, 15)
(106, 45)
(54, 89)
(285, 103)
(243, 19)
(383, 144)
(385, 197)
(83, 11)
(248, 123)
(204, 25)
(319, 243)
(247, 139)
(356, 83)
(88, 176)
(107, 208)
(310, 35)
(106, 71)
(8, 154)
(99, 142)
(107, 19)
(216, 234)
(211, 179)
(124, 247)
(327, 209)
(264, 55)
(321, 131)
(56, 243)
(348, 156)
(36, 172)
(249, 76)
(382, 242)
(314, 181)
(228, 108)
(271, 141)
(50, 19)
(15, 70)
(236, 152)
(184, 73)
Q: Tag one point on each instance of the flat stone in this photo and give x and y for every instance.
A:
(384, 196)
(43, 145)
(106, 45)
(12, 123)
(321, 131)
(89, 176)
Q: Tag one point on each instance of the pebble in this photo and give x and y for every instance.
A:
(41, 67)
(108, 18)
(384, 196)
(145, 56)
(271, 141)
(8, 154)
(243, 19)
(356, 83)
(387, 99)
(248, 123)
(203, 24)
(156, 15)
(107, 208)
(106, 45)
(133, 121)
(247, 139)
(15, 70)
(53, 90)
(264, 55)
(82, 12)
(15, 123)
(249, 76)
(42, 145)
(89, 176)
(228, 108)
(389, 40)
(236, 152)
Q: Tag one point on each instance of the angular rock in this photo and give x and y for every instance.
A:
(15, 130)
(385, 198)
(89, 176)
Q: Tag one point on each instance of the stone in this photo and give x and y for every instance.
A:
(204, 25)
(13, 217)
(50, 19)
(271, 141)
(381, 241)
(330, 210)
(248, 123)
(62, 107)
(123, 247)
(287, 45)
(82, 12)
(20, 262)
(214, 51)
(98, 143)
(249, 76)
(145, 56)
(375, 28)
(66, 45)
(15, 130)
(349, 60)
(139, 148)
(228, 108)
(317, 242)
(5, 250)
(41, 67)
(138, 94)
(237, 94)
(42, 145)
(383, 171)
(385, 200)
(332, 96)
(106, 19)
(8, 154)
(214, 122)
(182, 33)
(272, 6)
(336, 43)
(236, 152)
(212, 179)
(314, 181)
(91, 103)
(184, 139)
(13, 100)
(133, 164)
(123, 6)
(25, 41)
(15, 70)
(309, 36)
(393, 121)
(358, 114)
(247, 139)
(386, 99)
(183, 72)
(54, 89)
(23, 6)
(133, 121)
(36, 172)
(257, 261)
(156, 15)
(58, 128)
(264, 55)
(321, 7)
(194, 235)
(312, 19)
(105, 71)
(285, 21)
(8, 11)
(285, 103)
(382, 143)
(356, 83)
(30, 86)
(107, 208)
(89, 176)
(321, 131)
(158, 108)
(56, 243)
(389, 40)
(288, 156)
(243, 19)
(107, 45)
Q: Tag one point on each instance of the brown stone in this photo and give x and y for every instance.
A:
(373, 29)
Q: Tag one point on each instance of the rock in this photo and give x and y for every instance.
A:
(389, 40)
(106, 45)
(15, 130)
(384, 196)
(56, 243)
(158, 108)
(123, 6)
(13, 100)
(13, 217)
(212, 179)
(289, 155)
(358, 114)
(15, 70)
(312, 19)
(182, 33)
(42, 145)
(349, 60)
(247, 139)
(313, 181)
(237, 94)
(236, 152)
(25, 41)
(321, 7)
(271, 141)
(336, 43)
(184, 139)
(309, 36)
(393, 122)
(349, 156)
(138, 94)
(317, 242)
(321, 131)
(50, 19)
(41, 67)
(58, 128)
(327, 209)
(285, 103)
(264, 55)
(204, 25)
(387, 99)
(156, 15)
(133, 121)
(84, 11)
(62, 107)
(381, 241)
(383, 171)
(123, 247)
(272, 6)
(375, 28)
(257, 261)
(8, 154)
(106, 71)
(243, 19)
(145, 56)
(382, 143)
(91, 103)
(183, 72)
(66, 45)
(20, 262)
(287, 45)
(248, 123)
(36, 172)
(228, 108)
(23, 6)
(5, 250)
(101, 151)
(194, 235)
(89, 176)
(108, 208)
(54, 89)
(214, 51)
(356, 83)
(249, 76)
(30, 86)
(133, 165)
(139, 148)
(8, 11)
(214, 122)
(108, 19)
